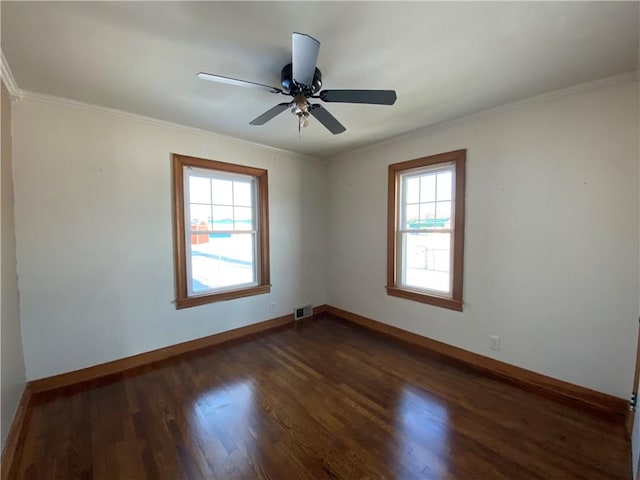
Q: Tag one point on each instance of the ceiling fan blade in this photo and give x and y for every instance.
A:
(304, 57)
(375, 97)
(325, 118)
(269, 114)
(238, 83)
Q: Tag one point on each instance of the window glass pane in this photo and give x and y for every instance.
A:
(242, 218)
(412, 217)
(443, 215)
(242, 194)
(222, 218)
(427, 214)
(427, 261)
(221, 260)
(222, 192)
(199, 190)
(428, 188)
(444, 186)
(413, 190)
(200, 214)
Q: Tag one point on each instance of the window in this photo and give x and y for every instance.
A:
(426, 229)
(221, 231)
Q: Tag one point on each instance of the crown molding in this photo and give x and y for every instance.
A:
(7, 77)
(573, 89)
(16, 93)
(68, 102)
(544, 97)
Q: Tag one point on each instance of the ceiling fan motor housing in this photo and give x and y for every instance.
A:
(292, 87)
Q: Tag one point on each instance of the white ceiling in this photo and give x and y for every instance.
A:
(445, 60)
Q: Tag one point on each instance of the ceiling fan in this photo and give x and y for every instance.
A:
(302, 80)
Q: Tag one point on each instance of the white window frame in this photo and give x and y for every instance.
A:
(188, 172)
(402, 220)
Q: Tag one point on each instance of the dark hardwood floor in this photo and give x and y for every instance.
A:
(327, 400)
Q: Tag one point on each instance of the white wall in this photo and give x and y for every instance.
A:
(12, 370)
(93, 221)
(94, 234)
(551, 247)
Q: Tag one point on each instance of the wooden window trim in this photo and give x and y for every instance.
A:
(183, 300)
(458, 157)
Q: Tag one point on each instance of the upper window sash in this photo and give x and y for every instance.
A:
(189, 172)
(419, 172)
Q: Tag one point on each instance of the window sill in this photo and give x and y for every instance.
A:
(421, 297)
(187, 302)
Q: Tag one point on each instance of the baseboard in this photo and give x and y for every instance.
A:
(127, 363)
(319, 310)
(550, 387)
(15, 438)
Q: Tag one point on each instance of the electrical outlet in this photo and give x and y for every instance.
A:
(272, 307)
(495, 342)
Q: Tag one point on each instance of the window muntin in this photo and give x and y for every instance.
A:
(221, 231)
(426, 229)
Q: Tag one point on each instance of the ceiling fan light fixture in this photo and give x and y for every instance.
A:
(301, 110)
(302, 104)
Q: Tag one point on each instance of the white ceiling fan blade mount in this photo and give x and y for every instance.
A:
(304, 53)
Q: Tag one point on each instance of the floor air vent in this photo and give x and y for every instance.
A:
(303, 312)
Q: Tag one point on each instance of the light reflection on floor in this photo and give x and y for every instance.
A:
(421, 422)
(223, 422)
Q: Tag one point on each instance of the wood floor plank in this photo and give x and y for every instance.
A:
(324, 401)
